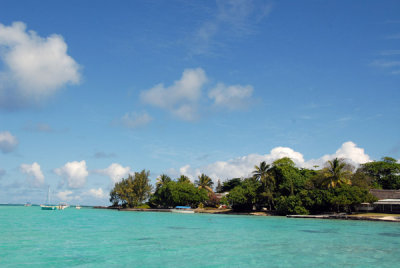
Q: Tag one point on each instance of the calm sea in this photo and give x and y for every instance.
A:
(104, 238)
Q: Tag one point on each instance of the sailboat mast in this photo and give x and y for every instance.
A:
(48, 196)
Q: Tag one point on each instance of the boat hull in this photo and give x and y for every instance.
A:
(182, 211)
(44, 207)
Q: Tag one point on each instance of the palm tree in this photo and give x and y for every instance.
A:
(262, 174)
(261, 171)
(184, 178)
(162, 180)
(336, 172)
(204, 182)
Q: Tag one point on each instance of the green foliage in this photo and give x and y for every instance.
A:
(337, 172)
(224, 201)
(244, 196)
(204, 182)
(362, 180)
(290, 190)
(292, 204)
(143, 206)
(163, 179)
(131, 192)
(178, 193)
(280, 186)
(288, 178)
(385, 174)
(184, 178)
(230, 184)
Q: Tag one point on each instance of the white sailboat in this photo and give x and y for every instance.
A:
(47, 205)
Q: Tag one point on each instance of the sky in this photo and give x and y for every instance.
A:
(93, 91)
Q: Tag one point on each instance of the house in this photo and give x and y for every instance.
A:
(388, 200)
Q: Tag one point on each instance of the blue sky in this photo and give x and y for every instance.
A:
(91, 92)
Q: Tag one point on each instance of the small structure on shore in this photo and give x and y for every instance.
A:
(365, 207)
(388, 205)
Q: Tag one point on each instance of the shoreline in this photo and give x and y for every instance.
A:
(363, 217)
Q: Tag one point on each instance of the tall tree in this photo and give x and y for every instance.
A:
(184, 178)
(385, 174)
(162, 180)
(337, 172)
(218, 189)
(132, 191)
(230, 184)
(175, 193)
(204, 182)
(261, 171)
(263, 175)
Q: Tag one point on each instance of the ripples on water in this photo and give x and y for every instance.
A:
(104, 238)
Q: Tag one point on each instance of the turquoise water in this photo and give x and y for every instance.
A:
(105, 238)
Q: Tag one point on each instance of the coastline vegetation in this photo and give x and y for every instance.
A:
(279, 187)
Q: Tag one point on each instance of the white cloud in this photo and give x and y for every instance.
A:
(97, 193)
(8, 142)
(34, 67)
(349, 151)
(177, 97)
(74, 173)
(67, 196)
(134, 120)
(243, 166)
(115, 171)
(231, 97)
(33, 171)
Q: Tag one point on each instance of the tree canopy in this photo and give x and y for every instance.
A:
(132, 191)
(280, 186)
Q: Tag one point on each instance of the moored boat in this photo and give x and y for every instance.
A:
(47, 205)
(62, 206)
(183, 209)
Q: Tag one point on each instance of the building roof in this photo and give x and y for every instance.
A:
(388, 202)
(385, 194)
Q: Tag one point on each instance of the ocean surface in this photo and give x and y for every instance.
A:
(31, 237)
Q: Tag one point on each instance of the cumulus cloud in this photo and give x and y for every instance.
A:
(34, 67)
(231, 97)
(74, 173)
(351, 152)
(8, 142)
(33, 171)
(67, 195)
(97, 193)
(134, 120)
(180, 96)
(115, 171)
(243, 166)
